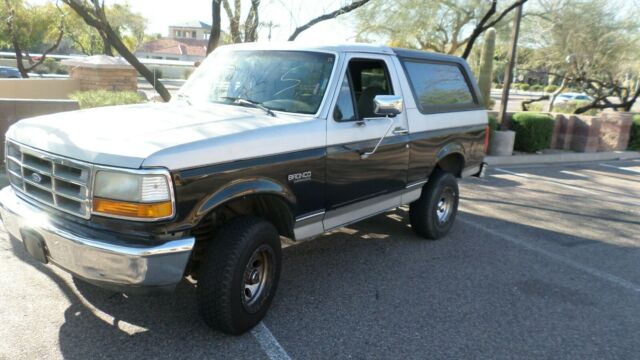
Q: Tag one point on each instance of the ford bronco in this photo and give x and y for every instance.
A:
(262, 142)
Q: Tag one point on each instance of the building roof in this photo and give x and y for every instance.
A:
(193, 25)
(190, 47)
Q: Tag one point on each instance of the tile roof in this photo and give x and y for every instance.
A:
(168, 46)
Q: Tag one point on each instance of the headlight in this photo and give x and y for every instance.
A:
(145, 196)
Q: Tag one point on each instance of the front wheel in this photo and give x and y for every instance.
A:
(239, 275)
(433, 214)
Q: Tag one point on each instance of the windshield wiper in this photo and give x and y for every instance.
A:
(251, 103)
(185, 98)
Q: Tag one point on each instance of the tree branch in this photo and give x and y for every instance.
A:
(332, 15)
(485, 24)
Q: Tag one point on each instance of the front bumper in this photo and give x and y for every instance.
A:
(114, 266)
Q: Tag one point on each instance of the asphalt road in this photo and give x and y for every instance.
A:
(542, 263)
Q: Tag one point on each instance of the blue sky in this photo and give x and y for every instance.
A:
(287, 14)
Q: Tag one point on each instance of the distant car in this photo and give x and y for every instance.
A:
(9, 72)
(566, 97)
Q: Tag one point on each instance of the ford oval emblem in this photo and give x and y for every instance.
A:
(36, 178)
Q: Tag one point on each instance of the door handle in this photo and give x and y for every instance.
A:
(400, 131)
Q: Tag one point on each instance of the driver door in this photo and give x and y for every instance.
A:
(353, 129)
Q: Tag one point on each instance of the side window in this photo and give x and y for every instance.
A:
(345, 111)
(365, 79)
(439, 86)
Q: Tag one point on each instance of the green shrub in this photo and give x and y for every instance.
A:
(97, 98)
(537, 87)
(634, 140)
(497, 86)
(493, 123)
(525, 87)
(550, 88)
(533, 131)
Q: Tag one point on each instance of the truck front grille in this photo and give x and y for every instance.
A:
(50, 179)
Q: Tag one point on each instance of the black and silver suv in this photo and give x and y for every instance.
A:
(262, 142)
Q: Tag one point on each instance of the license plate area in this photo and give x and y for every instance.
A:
(34, 244)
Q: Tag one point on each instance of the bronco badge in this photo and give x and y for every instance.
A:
(300, 177)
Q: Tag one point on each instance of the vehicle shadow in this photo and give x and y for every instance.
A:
(368, 265)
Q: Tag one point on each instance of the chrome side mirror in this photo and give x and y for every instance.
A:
(388, 105)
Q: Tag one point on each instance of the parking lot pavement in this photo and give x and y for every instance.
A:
(542, 263)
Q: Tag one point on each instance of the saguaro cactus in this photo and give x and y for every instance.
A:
(486, 67)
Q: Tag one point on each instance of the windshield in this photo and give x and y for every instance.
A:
(289, 81)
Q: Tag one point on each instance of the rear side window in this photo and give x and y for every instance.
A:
(439, 86)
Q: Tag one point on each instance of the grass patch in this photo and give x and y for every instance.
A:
(564, 108)
(98, 98)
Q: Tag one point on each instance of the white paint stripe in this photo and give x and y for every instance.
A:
(542, 178)
(269, 343)
(621, 168)
(561, 259)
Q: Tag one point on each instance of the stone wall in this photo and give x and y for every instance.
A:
(581, 133)
(105, 79)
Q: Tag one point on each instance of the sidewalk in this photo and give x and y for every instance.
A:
(561, 158)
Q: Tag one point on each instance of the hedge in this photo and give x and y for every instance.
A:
(550, 88)
(97, 98)
(634, 141)
(533, 131)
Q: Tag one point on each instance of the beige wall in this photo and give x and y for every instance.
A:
(38, 88)
(12, 110)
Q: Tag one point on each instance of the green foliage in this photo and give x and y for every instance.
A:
(564, 108)
(440, 26)
(533, 131)
(486, 67)
(525, 87)
(537, 87)
(36, 26)
(98, 98)
(130, 26)
(634, 140)
(493, 123)
(51, 66)
(550, 88)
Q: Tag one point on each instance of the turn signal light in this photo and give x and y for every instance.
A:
(133, 210)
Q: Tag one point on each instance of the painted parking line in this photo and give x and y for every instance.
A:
(615, 280)
(545, 179)
(269, 343)
(621, 168)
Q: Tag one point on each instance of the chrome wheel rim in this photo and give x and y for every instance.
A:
(257, 278)
(444, 208)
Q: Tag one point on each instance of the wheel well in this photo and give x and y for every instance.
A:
(271, 208)
(453, 163)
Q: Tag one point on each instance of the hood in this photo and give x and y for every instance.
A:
(124, 136)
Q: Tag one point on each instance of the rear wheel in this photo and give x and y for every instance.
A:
(433, 214)
(239, 275)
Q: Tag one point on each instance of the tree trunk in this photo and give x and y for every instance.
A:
(214, 37)
(93, 19)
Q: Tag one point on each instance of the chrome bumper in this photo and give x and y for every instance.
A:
(105, 264)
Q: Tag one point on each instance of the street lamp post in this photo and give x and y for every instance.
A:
(502, 117)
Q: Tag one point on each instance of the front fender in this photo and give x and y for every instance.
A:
(245, 187)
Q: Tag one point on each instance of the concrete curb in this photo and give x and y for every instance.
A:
(561, 158)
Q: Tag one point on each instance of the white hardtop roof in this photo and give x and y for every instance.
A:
(295, 45)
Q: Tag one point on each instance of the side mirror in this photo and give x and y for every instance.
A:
(388, 105)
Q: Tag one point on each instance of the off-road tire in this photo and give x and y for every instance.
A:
(222, 280)
(424, 213)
